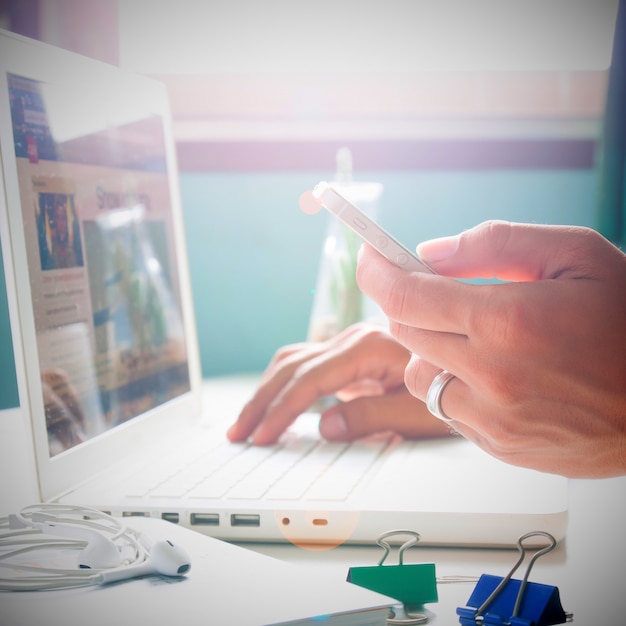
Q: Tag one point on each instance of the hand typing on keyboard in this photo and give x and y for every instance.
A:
(363, 367)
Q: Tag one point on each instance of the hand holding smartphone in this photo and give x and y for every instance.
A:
(325, 195)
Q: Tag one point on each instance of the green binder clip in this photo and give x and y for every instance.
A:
(413, 584)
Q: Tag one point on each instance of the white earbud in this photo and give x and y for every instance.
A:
(165, 558)
(100, 551)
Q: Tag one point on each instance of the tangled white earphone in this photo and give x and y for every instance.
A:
(107, 550)
(101, 552)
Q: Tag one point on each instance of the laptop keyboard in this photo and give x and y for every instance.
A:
(296, 468)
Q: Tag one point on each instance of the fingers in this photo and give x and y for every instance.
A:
(279, 372)
(396, 411)
(509, 251)
(293, 383)
(419, 299)
(456, 400)
(418, 377)
(462, 327)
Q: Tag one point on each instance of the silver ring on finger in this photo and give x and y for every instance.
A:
(435, 391)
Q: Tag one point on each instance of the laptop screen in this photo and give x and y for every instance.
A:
(95, 200)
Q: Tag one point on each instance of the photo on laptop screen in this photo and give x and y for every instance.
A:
(95, 203)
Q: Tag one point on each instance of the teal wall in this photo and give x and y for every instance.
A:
(254, 255)
(8, 382)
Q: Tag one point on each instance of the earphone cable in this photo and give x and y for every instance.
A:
(25, 532)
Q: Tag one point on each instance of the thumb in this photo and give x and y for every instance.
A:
(505, 250)
(396, 411)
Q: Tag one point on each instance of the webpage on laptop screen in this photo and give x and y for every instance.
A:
(96, 210)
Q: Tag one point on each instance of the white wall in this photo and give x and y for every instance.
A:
(191, 36)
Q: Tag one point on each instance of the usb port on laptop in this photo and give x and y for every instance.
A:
(205, 519)
(243, 519)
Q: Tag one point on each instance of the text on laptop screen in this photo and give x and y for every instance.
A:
(95, 199)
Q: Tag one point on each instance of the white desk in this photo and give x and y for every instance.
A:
(589, 568)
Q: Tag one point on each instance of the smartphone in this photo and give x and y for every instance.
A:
(355, 219)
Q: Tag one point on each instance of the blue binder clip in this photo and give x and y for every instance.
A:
(506, 601)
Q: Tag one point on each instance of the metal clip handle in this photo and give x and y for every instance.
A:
(415, 537)
(522, 550)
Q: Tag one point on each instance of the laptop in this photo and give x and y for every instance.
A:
(107, 358)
